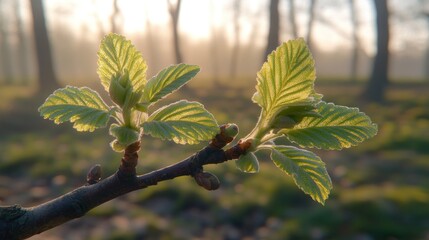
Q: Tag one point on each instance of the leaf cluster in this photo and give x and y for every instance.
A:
(122, 71)
(291, 109)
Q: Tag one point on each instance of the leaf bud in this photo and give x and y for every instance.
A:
(231, 130)
(116, 146)
(207, 180)
(248, 163)
(120, 87)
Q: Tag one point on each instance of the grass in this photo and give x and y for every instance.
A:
(380, 187)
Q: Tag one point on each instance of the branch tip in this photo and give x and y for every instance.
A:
(226, 135)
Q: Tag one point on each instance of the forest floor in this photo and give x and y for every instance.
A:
(380, 187)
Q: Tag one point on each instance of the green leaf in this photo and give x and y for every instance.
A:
(124, 135)
(337, 127)
(307, 170)
(288, 76)
(116, 54)
(248, 163)
(81, 106)
(183, 122)
(167, 81)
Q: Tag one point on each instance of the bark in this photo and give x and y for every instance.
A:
(378, 81)
(292, 19)
(174, 10)
(235, 49)
(19, 223)
(274, 28)
(46, 75)
(311, 17)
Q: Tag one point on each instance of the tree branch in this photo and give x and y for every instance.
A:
(19, 223)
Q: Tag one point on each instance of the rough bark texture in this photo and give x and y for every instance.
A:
(274, 28)
(46, 77)
(378, 81)
(19, 223)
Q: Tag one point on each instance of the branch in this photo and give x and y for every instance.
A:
(18, 223)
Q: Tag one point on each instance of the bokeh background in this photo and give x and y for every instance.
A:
(371, 54)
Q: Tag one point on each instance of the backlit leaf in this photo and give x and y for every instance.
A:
(116, 54)
(81, 106)
(167, 81)
(337, 127)
(307, 170)
(288, 76)
(183, 122)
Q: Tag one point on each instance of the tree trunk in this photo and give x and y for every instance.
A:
(6, 64)
(174, 10)
(274, 28)
(311, 15)
(355, 42)
(292, 19)
(426, 65)
(378, 81)
(115, 17)
(214, 46)
(22, 45)
(235, 49)
(46, 76)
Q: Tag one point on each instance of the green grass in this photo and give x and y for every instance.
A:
(380, 187)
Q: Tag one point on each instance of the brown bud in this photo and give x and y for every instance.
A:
(207, 180)
(94, 174)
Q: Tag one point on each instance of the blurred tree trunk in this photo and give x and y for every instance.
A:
(235, 49)
(355, 41)
(174, 10)
(274, 28)
(6, 63)
(22, 45)
(115, 18)
(100, 26)
(213, 46)
(378, 81)
(311, 17)
(426, 65)
(149, 38)
(46, 77)
(292, 19)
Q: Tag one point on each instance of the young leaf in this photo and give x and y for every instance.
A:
(183, 122)
(116, 55)
(248, 163)
(288, 76)
(307, 170)
(81, 106)
(337, 127)
(167, 81)
(124, 135)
